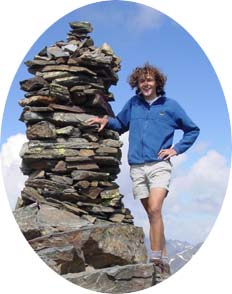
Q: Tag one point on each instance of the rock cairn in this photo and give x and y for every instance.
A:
(70, 164)
(71, 209)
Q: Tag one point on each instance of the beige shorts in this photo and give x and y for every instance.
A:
(150, 175)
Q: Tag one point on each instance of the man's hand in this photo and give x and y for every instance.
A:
(97, 120)
(166, 153)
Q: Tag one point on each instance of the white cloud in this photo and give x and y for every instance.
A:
(136, 21)
(200, 147)
(206, 179)
(193, 230)
(178, 160)
(146, 18)
(10, 161)
(196, 197)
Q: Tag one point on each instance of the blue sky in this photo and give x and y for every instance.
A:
(138, 34)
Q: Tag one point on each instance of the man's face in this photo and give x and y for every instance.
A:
(147, 86)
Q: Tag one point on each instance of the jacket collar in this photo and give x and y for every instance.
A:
(160, 100)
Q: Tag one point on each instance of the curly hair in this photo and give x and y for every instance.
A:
(138, 72)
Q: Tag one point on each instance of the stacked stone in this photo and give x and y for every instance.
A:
(72, 166)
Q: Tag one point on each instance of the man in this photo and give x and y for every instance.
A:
(151, 119)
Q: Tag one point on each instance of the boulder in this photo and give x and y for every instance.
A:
(102, 245)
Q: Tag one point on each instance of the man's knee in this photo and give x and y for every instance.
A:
(154, 212)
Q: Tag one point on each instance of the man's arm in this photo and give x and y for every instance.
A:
(191, 132)
(120, 123)
(190, 129)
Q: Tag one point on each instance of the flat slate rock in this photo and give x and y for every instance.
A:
(35, 221)
(117, 279)
(81, 26)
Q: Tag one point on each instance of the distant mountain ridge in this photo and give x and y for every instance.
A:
(179, 253)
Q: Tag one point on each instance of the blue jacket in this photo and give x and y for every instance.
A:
(151, 128)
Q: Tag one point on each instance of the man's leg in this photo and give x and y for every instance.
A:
(153, 206)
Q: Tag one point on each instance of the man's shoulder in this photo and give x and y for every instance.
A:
(170, 102)
(135, 98)
(131, 101)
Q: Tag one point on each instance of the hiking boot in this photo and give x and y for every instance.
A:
(163, 266)
(166, 268)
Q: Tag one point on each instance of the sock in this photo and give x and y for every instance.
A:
(156, 254)
(165, 259)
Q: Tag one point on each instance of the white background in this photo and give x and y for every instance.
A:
(21, 23)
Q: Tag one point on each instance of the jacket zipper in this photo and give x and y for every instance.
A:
(145, 124)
